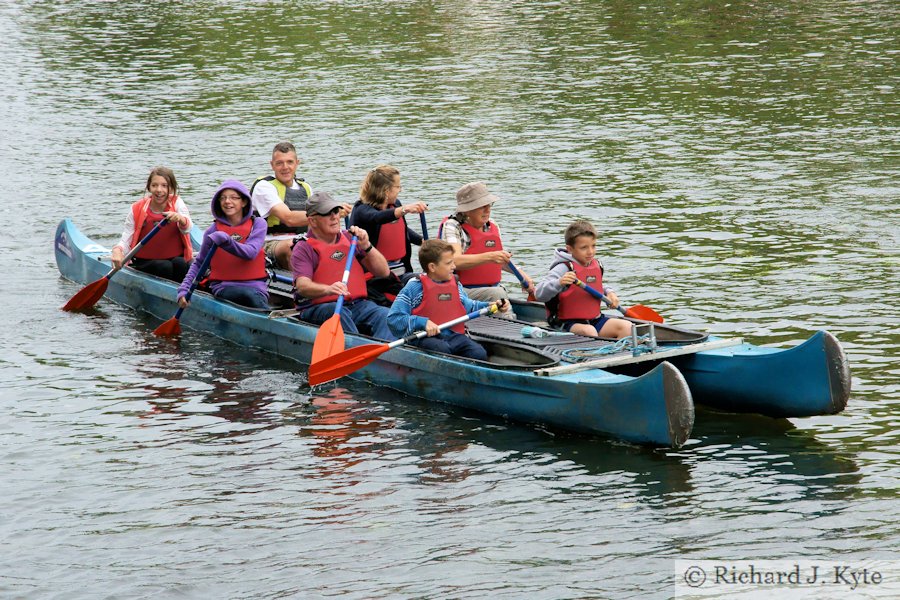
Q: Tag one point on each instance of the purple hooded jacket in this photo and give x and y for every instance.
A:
(246, 250)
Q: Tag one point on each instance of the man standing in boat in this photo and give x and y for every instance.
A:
(281, 201)
(318, 260)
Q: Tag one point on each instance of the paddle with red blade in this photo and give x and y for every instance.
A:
(521, 279)
(330, 337)
(92, 292)
(172, 327)
(638, 311)
(351, 360)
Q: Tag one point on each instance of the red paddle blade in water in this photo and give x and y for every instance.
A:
(170, 328)
(87, 296)
(344, 363)
(639, 311)
(329, 339)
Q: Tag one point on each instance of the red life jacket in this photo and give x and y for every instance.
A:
(225, 266)
(486, 274)
(576, 303)
(392, 240)
(166, 244)
(441, 302)
(332, 260)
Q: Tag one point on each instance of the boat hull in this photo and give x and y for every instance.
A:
(812, 378)
(655, 408)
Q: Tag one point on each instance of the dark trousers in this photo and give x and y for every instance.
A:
(458, 344)
(168, 268)
(245, 296)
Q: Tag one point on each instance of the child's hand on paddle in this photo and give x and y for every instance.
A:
(219, 237)
(175, 217)
(614, 300)
(502, 305)
(431, 328)
(568, 279)
(117, 257)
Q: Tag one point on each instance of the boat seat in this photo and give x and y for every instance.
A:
(509, 332)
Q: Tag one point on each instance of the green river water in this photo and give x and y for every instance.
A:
(740, 160)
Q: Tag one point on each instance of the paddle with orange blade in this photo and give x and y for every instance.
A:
(638, 311)
(172, 327)
(521, 279)
(330, 337)
(351, 360)
(92, 292)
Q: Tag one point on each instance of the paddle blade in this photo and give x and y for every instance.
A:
(88, 296)
(344, 363)
(639, 311)
(170, 328)
(329, 339)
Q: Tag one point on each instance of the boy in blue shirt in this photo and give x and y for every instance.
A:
(435, 297)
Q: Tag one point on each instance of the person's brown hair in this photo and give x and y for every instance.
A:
(579, 228)
(167, 174)
(376, 184)
(431, 252)
(284, 148)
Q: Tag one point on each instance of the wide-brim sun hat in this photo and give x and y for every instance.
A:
(473, 195)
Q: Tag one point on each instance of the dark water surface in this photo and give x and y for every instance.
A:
(741, 160)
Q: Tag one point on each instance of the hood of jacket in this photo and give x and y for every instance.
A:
(561, 256)
(240, 188)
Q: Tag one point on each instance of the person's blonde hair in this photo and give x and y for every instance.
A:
(376, 184)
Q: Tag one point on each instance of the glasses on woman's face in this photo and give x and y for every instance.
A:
(232, 198)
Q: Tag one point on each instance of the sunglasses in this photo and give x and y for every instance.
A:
(333, 211)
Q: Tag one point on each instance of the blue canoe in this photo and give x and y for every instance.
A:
(516, 382)
(812, 378)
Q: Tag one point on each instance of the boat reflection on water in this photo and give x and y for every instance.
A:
(194, 383)
(446, 440)
(346, 431)
(769, 459)
(772, 453)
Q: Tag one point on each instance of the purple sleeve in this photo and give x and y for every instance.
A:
(188, 280)
(304, 260)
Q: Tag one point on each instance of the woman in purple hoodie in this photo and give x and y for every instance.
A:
(237, 271)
